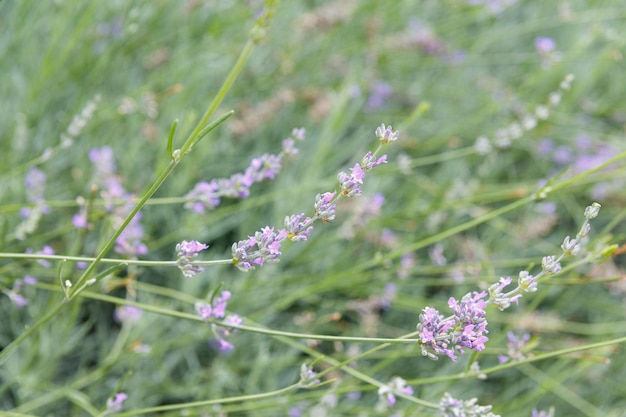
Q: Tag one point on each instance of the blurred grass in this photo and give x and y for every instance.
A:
(316, 70)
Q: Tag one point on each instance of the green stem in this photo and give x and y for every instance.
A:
(228, 400)
(61, 258)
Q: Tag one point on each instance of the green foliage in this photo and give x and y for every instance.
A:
(454, 71)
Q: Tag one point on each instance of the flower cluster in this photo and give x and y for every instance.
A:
(185, 252)
(205, 196)
(396, 386)
(265, 245)
(467, 327)
(451, 407)
(216, 309)
(504, 137)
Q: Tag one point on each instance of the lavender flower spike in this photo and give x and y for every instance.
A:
(325, 207)
(386, 134)
(451, 407)
(185, 251)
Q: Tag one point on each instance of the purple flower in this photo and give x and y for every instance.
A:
(433, 334)
(80, 221)
(386, 134)
(451, 407)
(351, 184)
(216, 309)
(185, 251)
(515, 345)
(380, 93)
(325, 207)
(237, 186)
(544, 45)
(241, 258)
(46, 250)
(397, 385)
(115, 403)
(470, 321)
(127, 314)
(18, 299)
(269, 244)
(203, 197)
(308, 377)
(219, 305)
(498, 298)
(190, 249)
(129, 241)
(267, 166)
(369, 161)
(35, 182)
(550, 265)
(28, 280)
(297, 228)
(103, 160)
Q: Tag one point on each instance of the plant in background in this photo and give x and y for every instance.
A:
(99, 320)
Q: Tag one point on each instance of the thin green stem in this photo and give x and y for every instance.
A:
(203, 403)
(61, 258)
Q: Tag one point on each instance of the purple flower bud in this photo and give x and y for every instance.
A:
(324, 207)
(298, 229)
(115, 403)
(386, 134)
(203, 197)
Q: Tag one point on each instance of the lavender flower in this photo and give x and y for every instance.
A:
(451, 407)
(544, 45)
(380, 93)
(127, 314)
(515, 345)
(386, 134)
(369, 161)
(114, 403)
(264, 167)
(205, 196)
(297, 228)
(185, 252)
(268, 245)
(396, 386)
(35, 182)
(465, 329)
(351, 184)
(215, 309)
(468, 326)
(470, 322)
(433, 334)
(325, 206)
(550, 265)
(308, 377)
(265, 245)
(222, 332)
